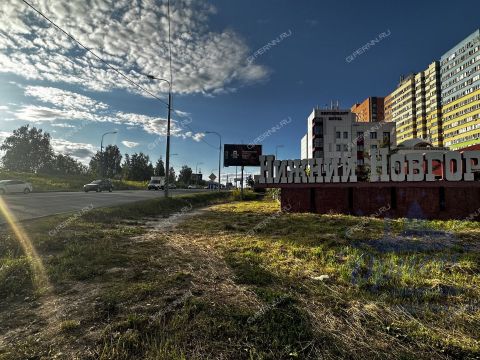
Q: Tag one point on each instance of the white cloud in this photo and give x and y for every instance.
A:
(131, 36)
(82, 152)
(67, 105)
(3, 107)
(63, 125)
(130, 144)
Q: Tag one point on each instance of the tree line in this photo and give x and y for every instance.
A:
(29, 150)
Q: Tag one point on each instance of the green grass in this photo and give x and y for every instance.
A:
(241, 281)
(44, 182)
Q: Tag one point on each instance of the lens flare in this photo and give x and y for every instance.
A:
(40, 275)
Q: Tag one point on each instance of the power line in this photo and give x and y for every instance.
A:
(95, 55)
(113, 68)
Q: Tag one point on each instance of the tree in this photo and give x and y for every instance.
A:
(65, 164)
(160, 168)
(185, 175)
(126, 167)
(110, 166)
(27, 149)
(140, 167)
(171, 176)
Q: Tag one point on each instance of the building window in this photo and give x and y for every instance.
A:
(373, 135)
(345, 134)
(360, 162)
(386, 136)
(345, 147)
(373, 147)
(338, 135)
(339, 147)
(360, 148)
(318, 130)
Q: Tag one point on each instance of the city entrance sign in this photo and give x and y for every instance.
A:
(398, 167)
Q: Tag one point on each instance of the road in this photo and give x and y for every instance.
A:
(35, 205)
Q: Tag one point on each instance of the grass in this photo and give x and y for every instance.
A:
(44, 182)
(242, 281)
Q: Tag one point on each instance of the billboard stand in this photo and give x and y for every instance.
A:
(241, 186)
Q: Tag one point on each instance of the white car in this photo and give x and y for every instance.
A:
(15, 186)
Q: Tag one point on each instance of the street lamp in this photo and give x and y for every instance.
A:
(219, 153)
(167, 155)
(101, 152)
(276, 150)
(196, 172)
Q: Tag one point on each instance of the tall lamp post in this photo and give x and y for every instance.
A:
(167, 155)
(101, 152)
(276, 150)
(219, 153)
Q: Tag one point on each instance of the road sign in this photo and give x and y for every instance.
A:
(212, 177)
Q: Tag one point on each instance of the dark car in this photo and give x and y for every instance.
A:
(98, 186)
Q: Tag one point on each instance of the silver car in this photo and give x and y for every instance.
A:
(15, 186)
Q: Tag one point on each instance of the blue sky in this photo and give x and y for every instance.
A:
(47, 81)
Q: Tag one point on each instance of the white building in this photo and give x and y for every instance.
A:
(335, 133)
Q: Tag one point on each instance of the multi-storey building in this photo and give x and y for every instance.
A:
(427, 104)
(402, 109)
(371, 109)
(335, 133)
(433, 104)
(460, 93)
(387, 105)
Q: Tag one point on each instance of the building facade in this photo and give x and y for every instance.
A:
(402, 108)
(371, 109)
(460, 93)
(335, 133)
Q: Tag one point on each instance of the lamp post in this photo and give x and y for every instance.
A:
(167, 155)
(276, 150)
(219, 153)
(196, 172)
(101, 152)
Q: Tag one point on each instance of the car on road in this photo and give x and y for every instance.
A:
(15, 186)
(191, 186)
(99, 186)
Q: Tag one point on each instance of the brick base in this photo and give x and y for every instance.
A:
(415, 200)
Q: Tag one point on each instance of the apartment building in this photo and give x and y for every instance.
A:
(402, 109)
(428, 104)
(371, 109)
(460, 93)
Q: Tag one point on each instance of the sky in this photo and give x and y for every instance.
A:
(222, 79)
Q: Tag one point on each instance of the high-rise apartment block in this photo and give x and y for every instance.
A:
(460, 93)
(400, 107)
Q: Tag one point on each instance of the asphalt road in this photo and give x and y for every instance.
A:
(34, 205)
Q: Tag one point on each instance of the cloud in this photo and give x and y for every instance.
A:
(130, 144)
(61, 105)
(131, 36)
(62, 125)
(3, 107)
(82, 152)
